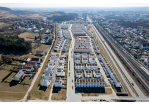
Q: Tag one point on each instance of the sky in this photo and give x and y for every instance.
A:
(73, 3)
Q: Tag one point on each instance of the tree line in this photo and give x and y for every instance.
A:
(14, 43)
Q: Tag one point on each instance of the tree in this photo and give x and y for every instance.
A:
(49, 42)
(35, 38)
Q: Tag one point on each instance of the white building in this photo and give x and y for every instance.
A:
(90, 83)
(78, 73)
(91, 56)
(84, 60)
(77, 60)
(91, 66)
(60, 72)
(116, 81)
(88, 73)
(45, 82)
(92, 60)
(77, 55)
(79, 66)
(97, 74)
(84, 55)
(58, 82)
(47, 75)
(18, 76)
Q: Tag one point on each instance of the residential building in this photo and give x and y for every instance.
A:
(18, 76)
(78, 73)
(35, 60)
(97, 74)
(80, 66)
(58, 82)
(31, 63)
(28, 68)
(87, 73)
(77, 60)
(84, 60)
(40, 53)
(91, 66)
(45, 82)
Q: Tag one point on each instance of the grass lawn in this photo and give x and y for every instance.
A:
(10, 77)
(40, 93)
(28, 36)
(58, 94)
(43, 47)
(7, 96)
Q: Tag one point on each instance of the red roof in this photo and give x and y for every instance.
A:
(27, 67)
(35, 59)
(31, 63)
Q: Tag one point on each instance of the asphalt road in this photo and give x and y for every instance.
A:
(71, 96)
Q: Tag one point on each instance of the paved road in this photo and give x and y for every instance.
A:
(71, 96)
(139, 92)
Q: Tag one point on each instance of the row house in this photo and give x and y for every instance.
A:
(78, 73)
(58, 82)
(92, 83)
(77, 60)
(79, 66)
(87, 73)
(84, 55)
(84, 60)
(77, 55)
(60, 72)
(58, 45)
(81, 50)
(91, 56)
(91, 66)
(97, 74)
(116, 81)
(92, 60)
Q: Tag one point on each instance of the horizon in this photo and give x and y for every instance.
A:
(73, 4)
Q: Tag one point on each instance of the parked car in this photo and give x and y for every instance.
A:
(132, 84)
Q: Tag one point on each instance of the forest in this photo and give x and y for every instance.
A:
(14, 43)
